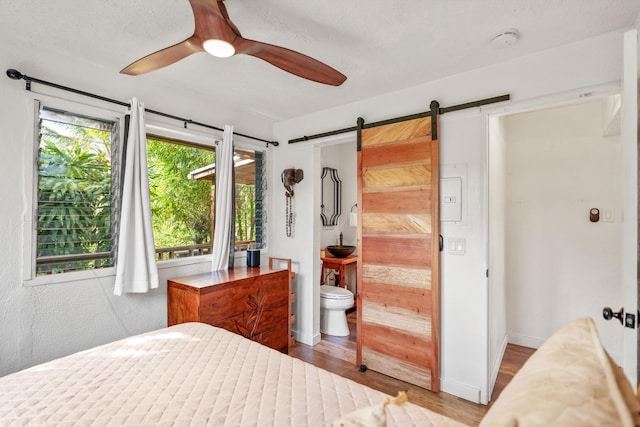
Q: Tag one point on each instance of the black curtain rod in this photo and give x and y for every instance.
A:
(17, 75)
(466, 105)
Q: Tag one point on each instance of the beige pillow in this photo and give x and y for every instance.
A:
(622, 383)
(568, 381)
(372, 416)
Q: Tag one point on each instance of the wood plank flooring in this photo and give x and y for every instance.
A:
(338, 355)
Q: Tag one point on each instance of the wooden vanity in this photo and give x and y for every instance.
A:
(340, 264)
(254, 302)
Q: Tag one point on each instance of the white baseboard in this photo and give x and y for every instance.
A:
(531, 342)
(463, 391)
(525, 341)
(317, 338)
(306, 338)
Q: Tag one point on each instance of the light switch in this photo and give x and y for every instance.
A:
(457, 246)
(608, 215)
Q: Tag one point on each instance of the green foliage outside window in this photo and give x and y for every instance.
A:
(180, 207)
(245, 213)
(74, 195)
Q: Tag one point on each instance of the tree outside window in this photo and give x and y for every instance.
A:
(75, 192)
(181, 179)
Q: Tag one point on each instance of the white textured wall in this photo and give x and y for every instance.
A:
(561, 266)
(465, 322)
(306, 234)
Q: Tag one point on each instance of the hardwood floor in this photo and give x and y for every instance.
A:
(338, 355)
(513, 359)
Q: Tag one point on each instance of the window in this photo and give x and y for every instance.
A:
(77, 192)
(181, 181)
(76, 201)
(250, 189)
(180, 207)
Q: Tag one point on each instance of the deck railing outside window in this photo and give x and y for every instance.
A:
(103, 259)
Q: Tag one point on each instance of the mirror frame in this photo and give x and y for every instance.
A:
(330, 175)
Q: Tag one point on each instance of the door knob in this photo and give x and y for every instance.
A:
(608, 314)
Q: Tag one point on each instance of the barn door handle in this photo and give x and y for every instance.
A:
(441, 243)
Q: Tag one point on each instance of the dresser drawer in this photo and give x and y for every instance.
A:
(235, 300)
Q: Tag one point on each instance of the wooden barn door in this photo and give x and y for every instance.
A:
(399, 259)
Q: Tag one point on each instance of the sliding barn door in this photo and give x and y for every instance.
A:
(399, 258)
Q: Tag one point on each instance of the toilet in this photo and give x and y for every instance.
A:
(334, 301)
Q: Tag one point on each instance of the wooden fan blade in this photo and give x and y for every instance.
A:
(291, 61)
(163, 57)
(212, 21)
(225, 15)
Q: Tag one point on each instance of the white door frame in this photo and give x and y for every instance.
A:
(629, 250)
(629, 145)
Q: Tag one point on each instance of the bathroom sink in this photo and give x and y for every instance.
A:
(341, 251)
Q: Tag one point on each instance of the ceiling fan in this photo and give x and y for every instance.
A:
(216, 34)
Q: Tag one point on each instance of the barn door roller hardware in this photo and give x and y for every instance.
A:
(433, 112)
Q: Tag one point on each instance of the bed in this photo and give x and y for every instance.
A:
(189, 374)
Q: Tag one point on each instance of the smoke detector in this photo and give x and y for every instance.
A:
(505, 38)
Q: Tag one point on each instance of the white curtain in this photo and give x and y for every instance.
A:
(224, 231)
(136, 270)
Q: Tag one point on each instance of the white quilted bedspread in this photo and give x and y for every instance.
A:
(193, 375)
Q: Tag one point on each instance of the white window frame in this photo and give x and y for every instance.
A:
(29, 222)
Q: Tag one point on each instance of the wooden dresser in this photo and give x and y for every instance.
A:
(253, 302)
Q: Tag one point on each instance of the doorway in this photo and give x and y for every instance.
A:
(555, 197)
(342, 157)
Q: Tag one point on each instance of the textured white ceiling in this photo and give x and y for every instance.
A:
(380, 45)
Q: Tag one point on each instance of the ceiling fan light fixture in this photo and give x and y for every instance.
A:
(219, 48)
(215, 34)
